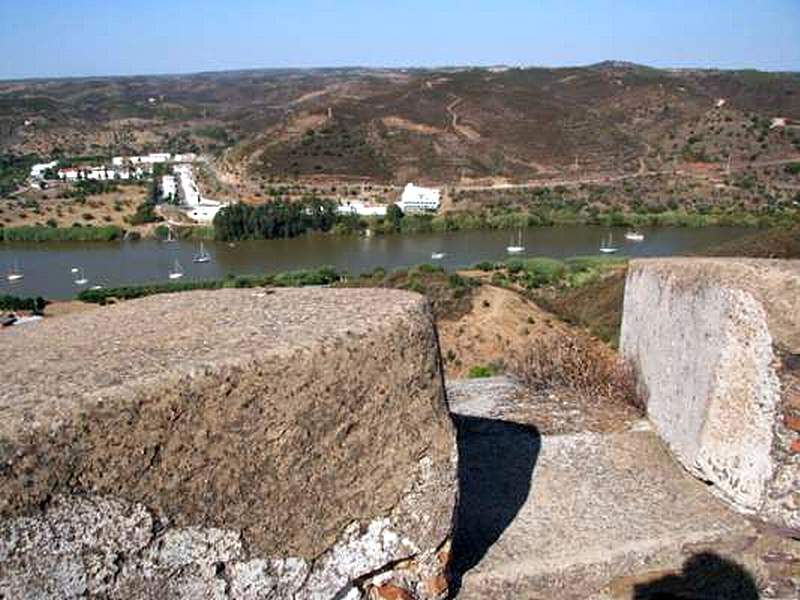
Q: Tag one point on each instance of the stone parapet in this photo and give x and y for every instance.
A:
(715, 345)
(232, 444)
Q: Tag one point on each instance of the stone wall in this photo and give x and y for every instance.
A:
(715, 344)
(227, 444)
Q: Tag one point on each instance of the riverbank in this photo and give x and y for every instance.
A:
(43, 233)
(555, 216)
(489, 219)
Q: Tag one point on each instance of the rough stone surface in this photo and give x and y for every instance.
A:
(582, 509)
(596, 515)
(712, 343)
(550, 412)
(235, 443)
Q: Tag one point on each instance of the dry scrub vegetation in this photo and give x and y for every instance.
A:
(574, 364)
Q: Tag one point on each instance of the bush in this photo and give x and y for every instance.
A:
(793, 168)
(480, 371)
(145, 213)
(426, 268)
(575, 364)
(35, 305)
(543, 271)
(485, 266)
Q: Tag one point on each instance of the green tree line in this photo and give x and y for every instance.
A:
(275, 219)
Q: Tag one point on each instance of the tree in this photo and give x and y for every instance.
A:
(394, 214)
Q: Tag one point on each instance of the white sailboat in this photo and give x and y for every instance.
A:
(177, 270)
(438, 255)
(202, 256)
(74, 270)
(519, 248)
(170, 236)
(15, 274)
(634, 236)
(81, 280)
(607, 247)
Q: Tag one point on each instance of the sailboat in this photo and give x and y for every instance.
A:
(438, 255)
(634, 236)
(15, 274)
(81, 280)
(177, 270)
(202, 256)
(519, 248)
(607, 247)
(170, 236)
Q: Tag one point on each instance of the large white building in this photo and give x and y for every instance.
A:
(362, 209)
(198, 208)
(419, 199)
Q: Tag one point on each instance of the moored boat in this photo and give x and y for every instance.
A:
(518, 248)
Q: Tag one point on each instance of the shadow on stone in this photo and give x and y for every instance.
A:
(495, 464)
(705, 576)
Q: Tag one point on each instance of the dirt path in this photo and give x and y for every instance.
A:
(465, 131)
(609, 178)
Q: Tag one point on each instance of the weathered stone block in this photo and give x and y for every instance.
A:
(712, 342)
(259, 444)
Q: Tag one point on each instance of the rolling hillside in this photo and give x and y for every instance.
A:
(391, 126)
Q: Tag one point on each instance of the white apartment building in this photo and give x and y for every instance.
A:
(419, 199)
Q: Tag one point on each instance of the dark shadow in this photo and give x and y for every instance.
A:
(705, 576)
(495, 465)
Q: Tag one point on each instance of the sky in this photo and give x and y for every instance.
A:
(55, 38)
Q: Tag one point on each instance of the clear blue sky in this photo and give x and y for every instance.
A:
(94, 37)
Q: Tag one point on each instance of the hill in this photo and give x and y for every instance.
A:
(390, 126)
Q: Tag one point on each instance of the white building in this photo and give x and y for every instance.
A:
(169, 188)
(199, 209)
(419, 199)
(37, 171)
(99, 174)
(148, 159)
(205, 211)
(360, 208)
(157, 157)
(189, 193)
(184, 158)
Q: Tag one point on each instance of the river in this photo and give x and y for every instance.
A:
(47, 265)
